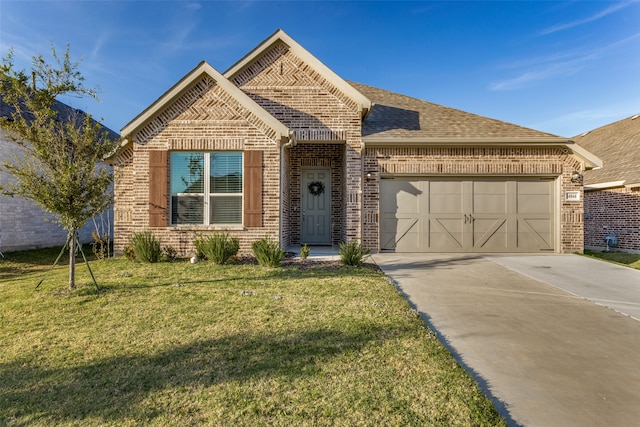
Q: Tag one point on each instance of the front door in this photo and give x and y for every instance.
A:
(315, 199)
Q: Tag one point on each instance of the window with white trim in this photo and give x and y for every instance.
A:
(198, 200)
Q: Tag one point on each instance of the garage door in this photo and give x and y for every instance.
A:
(467, 215)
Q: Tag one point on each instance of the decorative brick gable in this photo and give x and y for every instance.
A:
(316, 111)
(204, 118)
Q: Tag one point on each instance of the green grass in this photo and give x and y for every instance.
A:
(201, 344)
(629, 260)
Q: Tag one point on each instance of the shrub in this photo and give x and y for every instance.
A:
(352, 253)
(101, 245)
(268, 252)
(304, 251)
(199, 244)
(146, 246)
(169, 253)
(127, 251)
(217, 248)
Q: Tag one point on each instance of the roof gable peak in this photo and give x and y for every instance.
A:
(182, 86)
(364, 104)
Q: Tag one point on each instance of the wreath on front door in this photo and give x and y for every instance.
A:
(316, 188)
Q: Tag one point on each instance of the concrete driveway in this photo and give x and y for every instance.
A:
(554, 340)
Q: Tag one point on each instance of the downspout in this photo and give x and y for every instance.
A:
(291, 143)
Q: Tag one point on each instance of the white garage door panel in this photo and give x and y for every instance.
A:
(466, 215)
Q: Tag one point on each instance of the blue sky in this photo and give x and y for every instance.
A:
(560, 67)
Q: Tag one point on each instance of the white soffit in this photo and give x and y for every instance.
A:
(604, 185)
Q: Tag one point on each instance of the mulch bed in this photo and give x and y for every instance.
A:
(290, 260)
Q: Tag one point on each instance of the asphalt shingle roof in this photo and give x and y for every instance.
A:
(65, 113)
(399, 116)
(618, 145)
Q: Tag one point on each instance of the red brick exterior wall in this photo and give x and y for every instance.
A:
(613, 210)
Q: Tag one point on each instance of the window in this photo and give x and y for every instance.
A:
(212, 201)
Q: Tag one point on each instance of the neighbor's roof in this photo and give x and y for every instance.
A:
(618, 144)
(66, 113)
(399, 116)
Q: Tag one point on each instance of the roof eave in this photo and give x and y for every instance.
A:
(589, 160)
(604, 185)
(426, 141)
(362, 101)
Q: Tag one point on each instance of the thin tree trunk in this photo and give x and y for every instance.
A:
(72, 259)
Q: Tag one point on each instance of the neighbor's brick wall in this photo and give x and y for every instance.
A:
(318, 112)
(205, 118)
(23, 224)
(614, 210)
(488, 161)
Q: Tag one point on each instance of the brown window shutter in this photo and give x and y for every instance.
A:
(253, 188)
(158, 189)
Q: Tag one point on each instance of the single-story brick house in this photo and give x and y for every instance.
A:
(295, 152)
(23, 224)
(612, 193)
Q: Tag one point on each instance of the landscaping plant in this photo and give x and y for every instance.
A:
(268, 252)
(304, 251)
(217, 248)
(62, 147)
(352, 253)
(146, 246)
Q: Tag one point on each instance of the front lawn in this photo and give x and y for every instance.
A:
(197, 344)
(629, 260)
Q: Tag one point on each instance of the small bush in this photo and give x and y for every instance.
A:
(101, 245)
(352, 253)
(169, 253)
(217, 248)
(304, 251)
(199, 244)
(127, 251)
(268, 252)
(146, 246)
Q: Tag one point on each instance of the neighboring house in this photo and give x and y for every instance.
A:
(325, 161)
(612, 193)
(23, 224)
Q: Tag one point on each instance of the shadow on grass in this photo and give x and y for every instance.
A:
(448, 262)
(112, 389)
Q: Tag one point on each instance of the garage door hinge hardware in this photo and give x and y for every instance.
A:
(468, 218)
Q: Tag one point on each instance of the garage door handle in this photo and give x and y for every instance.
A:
(465, 218)
(468, 218)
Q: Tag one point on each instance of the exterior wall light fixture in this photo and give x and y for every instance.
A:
(576, 177)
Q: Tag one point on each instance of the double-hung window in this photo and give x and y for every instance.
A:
(206, 187)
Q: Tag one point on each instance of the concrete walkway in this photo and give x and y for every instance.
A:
(546, 356)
